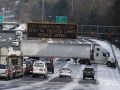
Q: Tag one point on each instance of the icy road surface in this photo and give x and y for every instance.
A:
(105, 78)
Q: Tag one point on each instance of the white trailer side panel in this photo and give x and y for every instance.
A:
(37, 48)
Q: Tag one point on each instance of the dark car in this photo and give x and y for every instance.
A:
(88, 72)
(28, 68)
(49, 63)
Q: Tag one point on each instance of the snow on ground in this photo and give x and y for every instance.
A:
(106, 78)
(117, 53)
(109, 79)
(42, 82)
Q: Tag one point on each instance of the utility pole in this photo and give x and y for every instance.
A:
(72, 7)
(43, 2)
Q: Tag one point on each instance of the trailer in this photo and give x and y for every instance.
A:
(84, 51)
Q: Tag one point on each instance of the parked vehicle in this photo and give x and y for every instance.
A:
(18, 71)
(15, 43)
(65, 72)
(27, 68)
(14, 59)
(6, 71)
(88, 72)
(19, 35)
(49, 63)
(39, 68)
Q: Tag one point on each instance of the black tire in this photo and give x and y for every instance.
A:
(108, 64)
(45, 76)
(14, 76)
(93, 78)
(84, 77)
(60, 76)
(7, 78)
(10, 77)
(53, 70)
(21, 76)
(80, 61)
(33, 75)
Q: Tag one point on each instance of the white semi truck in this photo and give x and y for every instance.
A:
(96, 54)
(85, 52)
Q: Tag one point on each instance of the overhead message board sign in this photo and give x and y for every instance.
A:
(46, 30)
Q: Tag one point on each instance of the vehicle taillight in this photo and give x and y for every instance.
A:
(43, 69)
(6, 71)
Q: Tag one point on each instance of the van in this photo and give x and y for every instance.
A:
(39, 69)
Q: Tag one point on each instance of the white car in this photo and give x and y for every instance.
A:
(15, 43)
(6, 71)
(65, 72)
(39, 68)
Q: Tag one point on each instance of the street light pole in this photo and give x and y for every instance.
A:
(72, 7)
(42, 10)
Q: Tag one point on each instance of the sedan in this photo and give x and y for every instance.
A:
(66, 72)
(88, 72)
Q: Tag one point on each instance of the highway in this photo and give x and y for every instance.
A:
(106, 78)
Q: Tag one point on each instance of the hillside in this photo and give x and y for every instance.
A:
(80, 11)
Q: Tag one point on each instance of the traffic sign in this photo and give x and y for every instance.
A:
(1, 18)
(51, 30)
(61, 19)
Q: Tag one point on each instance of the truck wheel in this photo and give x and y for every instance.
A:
(84, 77)
(53, 70)
(108, 64)
(81, 62)
(87, 62)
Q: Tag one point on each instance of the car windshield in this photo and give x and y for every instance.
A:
(66, 69)
(39, 64)
(88, 69)
(2, 66)
(14, 41)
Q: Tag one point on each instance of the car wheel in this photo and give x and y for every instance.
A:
(13, 76)
(52, 70)
(80, 61)
(108, 64)
(10, 77)
(60, 76)
(33, 75)
(7, 78)
(83, 77)
(93, 78)
(45, 76)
